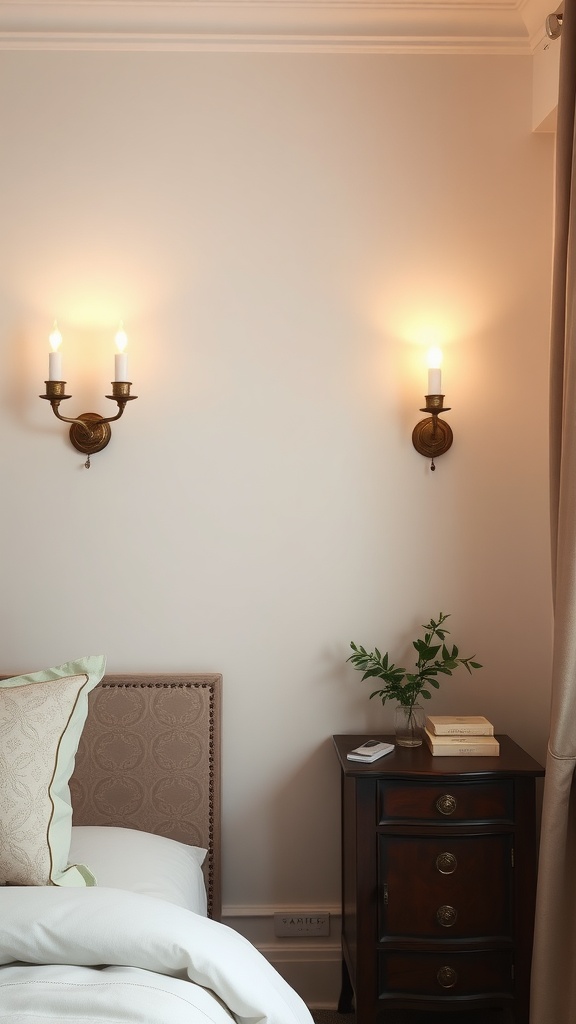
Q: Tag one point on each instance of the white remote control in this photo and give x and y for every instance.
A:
(370, 751)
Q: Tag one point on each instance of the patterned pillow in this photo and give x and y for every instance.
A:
(41, 720)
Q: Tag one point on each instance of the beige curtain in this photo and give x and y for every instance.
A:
(554, 962)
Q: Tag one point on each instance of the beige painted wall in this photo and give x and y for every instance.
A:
(546, 70)
(278, 234)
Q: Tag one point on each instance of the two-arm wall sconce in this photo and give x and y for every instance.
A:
(433, 436)
(89, 432)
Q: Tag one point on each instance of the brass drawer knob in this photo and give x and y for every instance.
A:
(446, 803)
(446, 915)
(446, 863)
(447, 977)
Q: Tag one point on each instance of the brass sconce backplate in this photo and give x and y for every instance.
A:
(90, 433)
(432, 436)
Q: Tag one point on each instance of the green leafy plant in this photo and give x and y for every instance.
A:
(434, 659)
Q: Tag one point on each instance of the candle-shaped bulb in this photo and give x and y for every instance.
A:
(55, 357)
(121, 359)
(55, 338)
(121, 337)
(434, 371)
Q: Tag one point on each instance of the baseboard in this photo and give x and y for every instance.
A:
(312, 966)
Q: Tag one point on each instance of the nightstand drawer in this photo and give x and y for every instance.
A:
(435, 802)
(444, 974)
(445, 887)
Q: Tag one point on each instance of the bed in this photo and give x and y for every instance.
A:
(125, 929)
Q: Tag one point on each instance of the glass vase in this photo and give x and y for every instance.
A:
(409, 725)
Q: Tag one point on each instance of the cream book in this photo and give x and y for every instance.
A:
(459, 725)
(462, 746)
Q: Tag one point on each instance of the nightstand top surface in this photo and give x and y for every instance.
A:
(418, 761)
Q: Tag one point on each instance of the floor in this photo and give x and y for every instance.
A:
(415, 1017)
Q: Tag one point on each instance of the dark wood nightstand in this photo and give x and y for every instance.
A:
(438, 880)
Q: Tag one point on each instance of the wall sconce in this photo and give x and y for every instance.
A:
(433, 436)
(554, 22)
(89, 432)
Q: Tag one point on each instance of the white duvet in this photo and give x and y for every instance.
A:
(104, 955)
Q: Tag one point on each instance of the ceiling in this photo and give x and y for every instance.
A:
(327, 26)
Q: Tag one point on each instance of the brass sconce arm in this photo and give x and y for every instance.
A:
(433, 436)
(89, 432)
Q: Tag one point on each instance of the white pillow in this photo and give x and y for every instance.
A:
(41, 719)
(125, 858)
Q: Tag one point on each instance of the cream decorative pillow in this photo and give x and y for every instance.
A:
(41, 720)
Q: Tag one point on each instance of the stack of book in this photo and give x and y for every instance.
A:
(461, 736)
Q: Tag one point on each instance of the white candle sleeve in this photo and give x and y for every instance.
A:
(54, 366)
(121, 366)
(434, 381)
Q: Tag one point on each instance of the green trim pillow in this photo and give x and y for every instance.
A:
(41, 720)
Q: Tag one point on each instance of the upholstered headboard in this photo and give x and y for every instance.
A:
(149, 759)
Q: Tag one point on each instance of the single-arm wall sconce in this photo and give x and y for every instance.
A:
(89, 432)
(433, 436)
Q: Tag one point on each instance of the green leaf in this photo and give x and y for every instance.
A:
(426, 652)
(405, 687)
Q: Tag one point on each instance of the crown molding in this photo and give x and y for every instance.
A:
(290, 26)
